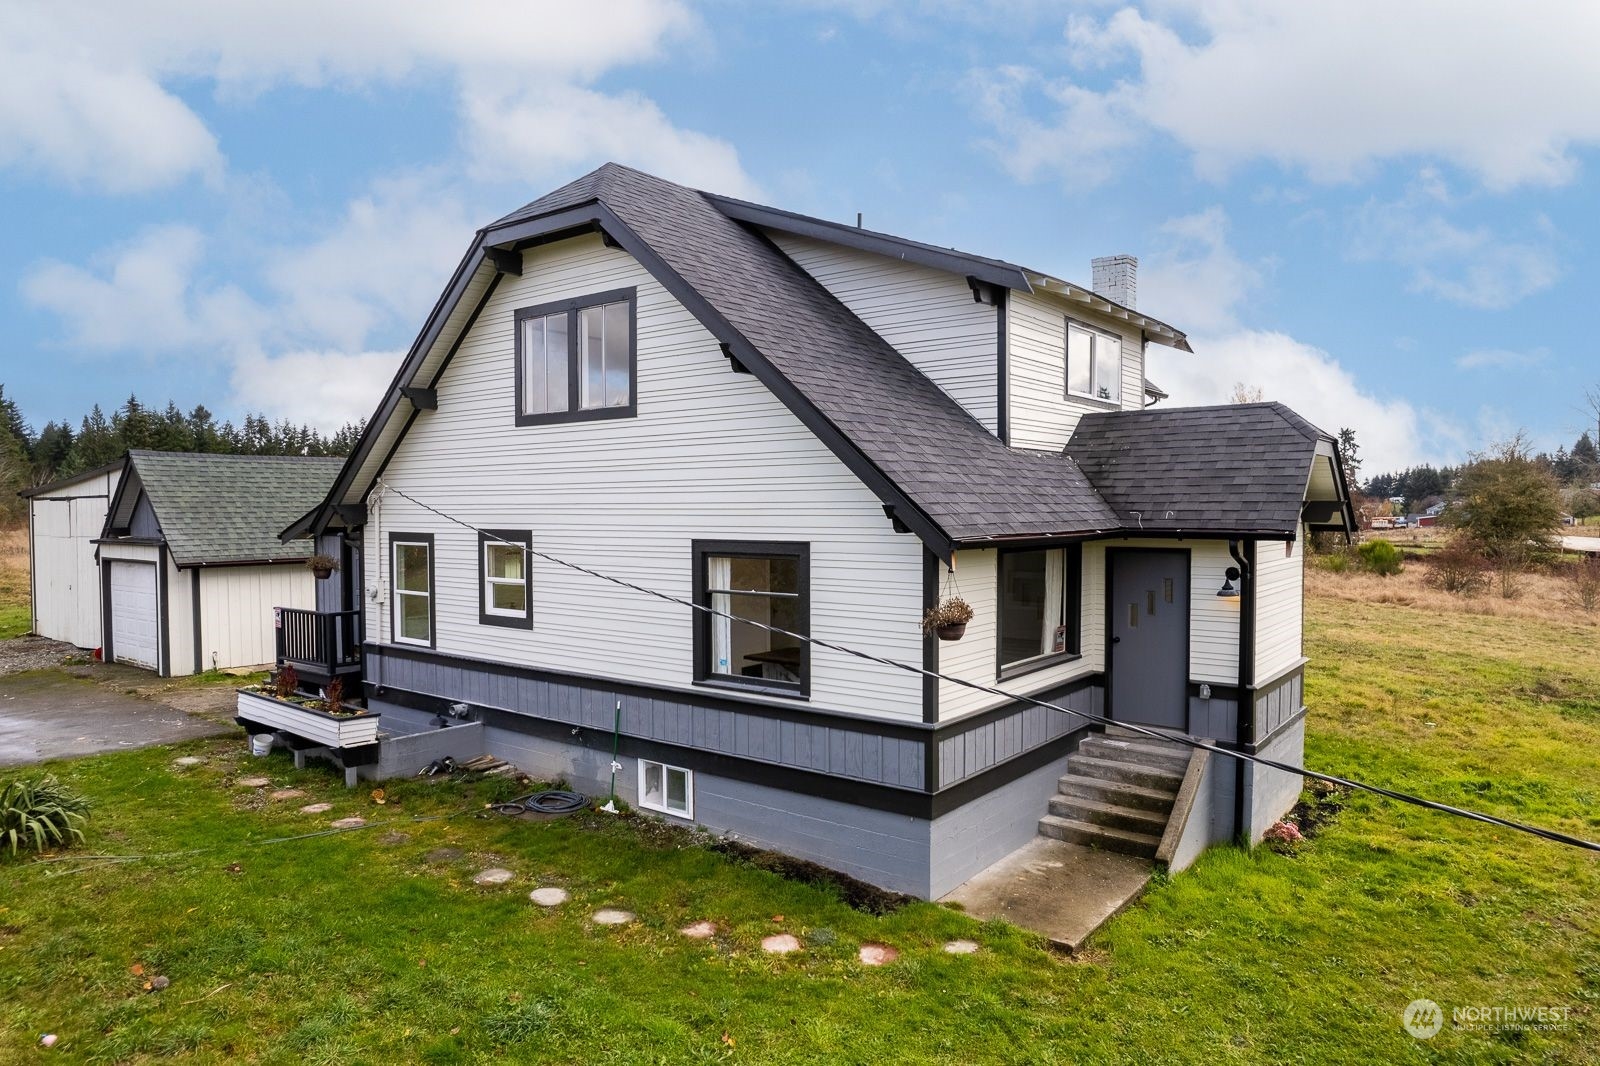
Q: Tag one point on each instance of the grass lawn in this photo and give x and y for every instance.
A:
(355, 948)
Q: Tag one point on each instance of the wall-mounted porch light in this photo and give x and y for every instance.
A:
(1229, 589)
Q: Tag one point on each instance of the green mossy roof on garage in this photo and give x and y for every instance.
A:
(216, 509)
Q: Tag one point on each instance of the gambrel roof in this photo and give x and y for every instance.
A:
(938, 471)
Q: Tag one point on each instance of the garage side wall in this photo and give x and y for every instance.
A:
(62, 526)
(236, 605)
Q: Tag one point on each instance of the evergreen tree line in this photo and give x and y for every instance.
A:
(29, 458)
(1575, 468)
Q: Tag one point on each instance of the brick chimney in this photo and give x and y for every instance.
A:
(1116, 277)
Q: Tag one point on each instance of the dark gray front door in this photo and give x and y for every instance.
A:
(1148, 655)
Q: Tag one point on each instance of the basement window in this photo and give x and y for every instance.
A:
(668, 789)
(576, 359)
(1094, 363)
(1038, 600)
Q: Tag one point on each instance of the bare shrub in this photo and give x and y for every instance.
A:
(1457, 568)
(1583, 585)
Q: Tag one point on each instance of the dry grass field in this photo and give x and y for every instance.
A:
(1542, 596)
(16, 615)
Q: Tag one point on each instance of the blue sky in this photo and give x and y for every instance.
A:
(1383, 215)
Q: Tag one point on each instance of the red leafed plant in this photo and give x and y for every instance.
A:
(286, 682)
(333, 697)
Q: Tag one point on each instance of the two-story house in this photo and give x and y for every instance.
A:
(825, 430)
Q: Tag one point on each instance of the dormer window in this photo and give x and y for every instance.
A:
(576, 359)
(1094, 363)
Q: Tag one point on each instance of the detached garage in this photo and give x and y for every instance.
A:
(65, 519)
(190, 564)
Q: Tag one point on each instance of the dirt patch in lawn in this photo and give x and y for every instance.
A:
(858, 894)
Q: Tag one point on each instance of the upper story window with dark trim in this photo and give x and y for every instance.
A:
(577, 359)
(1094, 363)
(411, 609)
(504, 595)
(1039, 612)
(747, 582)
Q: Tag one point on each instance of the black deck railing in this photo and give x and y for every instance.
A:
(328, 641)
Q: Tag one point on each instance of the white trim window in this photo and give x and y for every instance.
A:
(506, 585)
(1094, 363)
(412, 578)
(668, 789)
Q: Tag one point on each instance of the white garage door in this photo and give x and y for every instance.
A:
(133, 614)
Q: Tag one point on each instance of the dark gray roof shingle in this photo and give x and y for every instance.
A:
(938, 455)
(1241, 468)
(229, 508)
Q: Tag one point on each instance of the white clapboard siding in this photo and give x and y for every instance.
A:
(711, 455)
(929, 316)
(63, 525)
(972, 658)
(179, 619)
(1041, 414)
(1213, 620)
(236, 605)
(1279, 594)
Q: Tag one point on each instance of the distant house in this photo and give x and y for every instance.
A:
(828, 430)
(170, 560)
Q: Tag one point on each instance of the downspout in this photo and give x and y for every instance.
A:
(1244, 715)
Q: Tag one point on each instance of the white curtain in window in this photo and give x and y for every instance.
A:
(719, 575)
(1054, 579)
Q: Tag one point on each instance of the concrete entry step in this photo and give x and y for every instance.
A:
(1103, 837)
(1128, 773)
(1062, 891)
(1146, 799)
(1162, 755)
(1118, 732)
(1114, 815)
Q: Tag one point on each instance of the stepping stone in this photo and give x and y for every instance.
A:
(286, 794)
(876, 954)
(549, 897)
(253, 782)
(961, 947)
(442, 855)
(188, 760)
(316, 808)
(348, 823)
(393, 839)
(613, 917)
(700, 930)
(781, 944)
(495, 875)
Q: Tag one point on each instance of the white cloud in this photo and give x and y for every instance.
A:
(322, 389)
(1470, 266)
(1198, 282)
(143, 298)
(87, 98)
(385, 261)
(550, 129)
(1501, 359)
(1330, 88)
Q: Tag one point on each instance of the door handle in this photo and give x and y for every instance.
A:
(1116, 640)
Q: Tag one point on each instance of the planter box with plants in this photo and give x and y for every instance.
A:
(326, 721)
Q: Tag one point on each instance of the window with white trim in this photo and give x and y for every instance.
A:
(668, 789)
(411, 591)
(1094, 363)
(503, 593)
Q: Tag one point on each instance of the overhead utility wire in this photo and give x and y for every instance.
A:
(1189, 741)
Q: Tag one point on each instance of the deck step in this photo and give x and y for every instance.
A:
(1128, 773)
(1114, 815)
(1162, 755)
(1118, 794)
(1099, 836)
(1120, 732)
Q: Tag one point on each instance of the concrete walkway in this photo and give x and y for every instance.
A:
(1581, 544)
(1061, 891)
(51, 715)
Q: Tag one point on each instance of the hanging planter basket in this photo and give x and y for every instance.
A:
(323, 566)
(948, 619)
